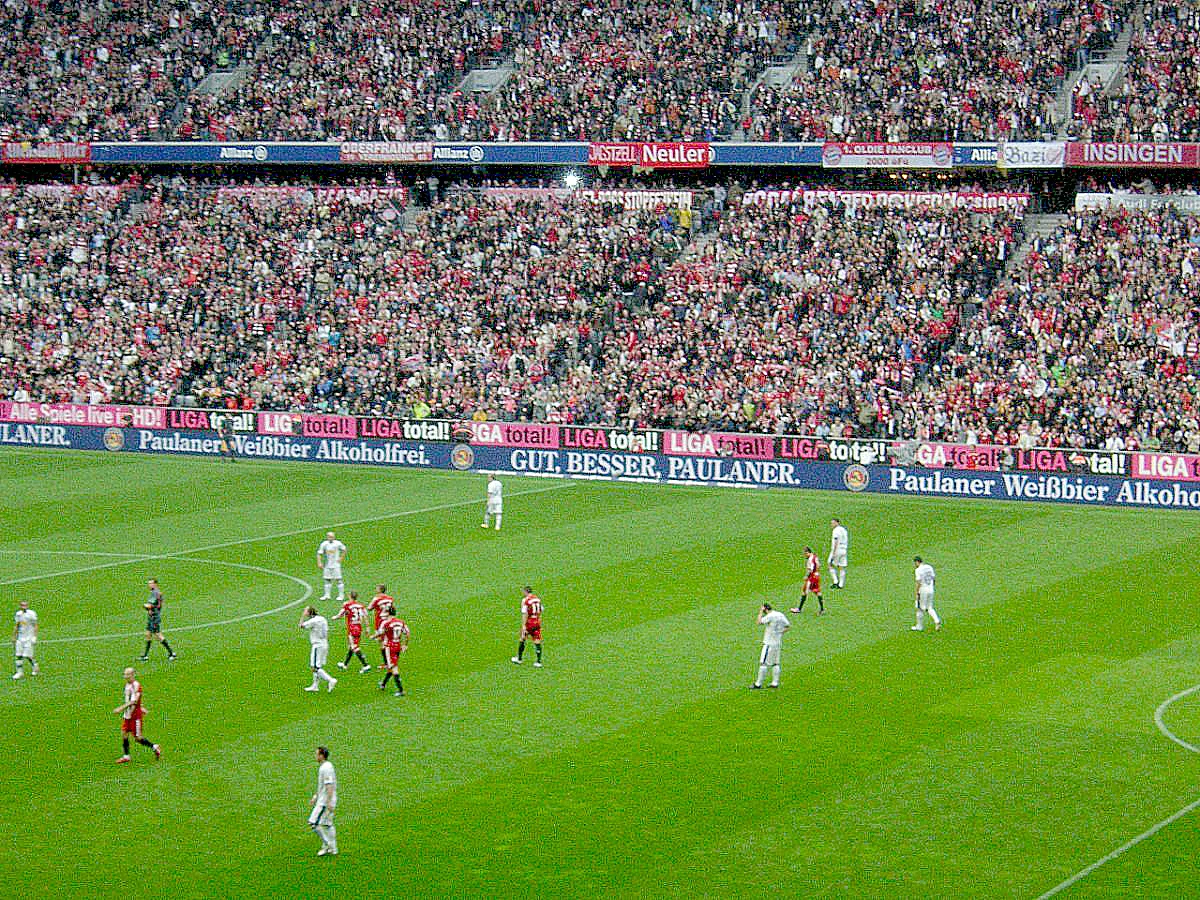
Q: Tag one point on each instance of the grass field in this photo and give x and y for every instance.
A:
(993, 759)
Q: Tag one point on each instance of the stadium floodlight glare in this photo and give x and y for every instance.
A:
(572, 179)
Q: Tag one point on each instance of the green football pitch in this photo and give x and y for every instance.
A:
(996, 758)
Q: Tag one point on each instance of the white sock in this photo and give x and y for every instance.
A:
(328, 585)
(775, 675)
(341, 589)
(920, 618)
(841, 577)
(933, 615)
(323, 675)
(331, 837)
(762, 673)
(20, 664)
(316, 681)
(498, 518)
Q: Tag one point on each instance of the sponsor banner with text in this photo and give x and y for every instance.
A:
(975, 201)
(617, 465)
(83, 414)
(54, 153)
(630, 199)
(836, 155)
(976, 156)
(386, 152)
(657, 155)
(1028, 155)
(1134, 155)
(1186, 203)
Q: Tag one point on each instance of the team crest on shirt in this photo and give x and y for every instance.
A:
(856, 478)
(114, 439)
(462, 457)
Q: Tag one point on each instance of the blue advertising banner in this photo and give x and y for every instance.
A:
(199, 152)
(969, 156)
(545, 154)
(615, 465)
(767, 154)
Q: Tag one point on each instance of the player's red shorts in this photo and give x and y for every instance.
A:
(533, 629)
(354, 634)
(391, 653)
(812, 584)
(132, 725)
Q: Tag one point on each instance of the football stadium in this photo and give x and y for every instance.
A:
(573, 449)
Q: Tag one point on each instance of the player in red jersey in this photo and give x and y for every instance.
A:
(131, 713)
(355, 615)
(380, 602)
(394, 635)
(812, 581)
(531, 626)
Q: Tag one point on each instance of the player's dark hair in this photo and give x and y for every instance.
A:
(382, 588)
(528, 589)
(768, 607)
(354, 595)
(918, 559)
(324, 751)
(808, 549)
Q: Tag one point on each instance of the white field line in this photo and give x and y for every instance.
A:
(308, 591)
(1162, 708)
(70, 553)
(268, 537)
(1153, 829)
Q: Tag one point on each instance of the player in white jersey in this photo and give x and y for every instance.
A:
(329, 560)
(925, 578)
(776, 624)
(324, 803)
(495, 502)
(318, 651)
(839, 546)
(25, 630)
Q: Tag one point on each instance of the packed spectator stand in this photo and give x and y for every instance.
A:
(1157, 96)
(955, 71)
(798, 316)
(580, 69)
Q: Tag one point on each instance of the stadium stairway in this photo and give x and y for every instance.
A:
(489, 78)
(1107, 65)
(780, 73)
(1037, 228)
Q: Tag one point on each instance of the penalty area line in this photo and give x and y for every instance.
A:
(1153, 829)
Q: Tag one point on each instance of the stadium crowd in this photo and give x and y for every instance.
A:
(1155, 98)
(116, 69)
(1097, 343)
(955, 71)
(739, 313)
(677, 70)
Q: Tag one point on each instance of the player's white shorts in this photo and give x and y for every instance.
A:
(317, 655)
(333, 573)
(770, 655)
(320, 815)
(838, 560)
(24, 647)
(495, 508)
(925, 600)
